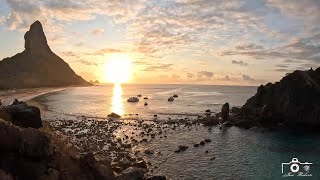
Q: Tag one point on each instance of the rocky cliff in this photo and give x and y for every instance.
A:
(37, 65)
(294, 101)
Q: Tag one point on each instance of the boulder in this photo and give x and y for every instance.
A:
(22, 115)
(114, 115)
(225, 111)
(94, 169)
(132, 173)
(133, 99)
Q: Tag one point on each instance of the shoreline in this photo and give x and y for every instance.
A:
(8, 96)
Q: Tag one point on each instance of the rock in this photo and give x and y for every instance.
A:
(35, 143)
(145, 98)
(133, 99)
(207, 151)
(181, 148)
(225, 111)
(202, 143)
(148, 151)
(208, 111)
(294, 101)
(5, 176)
(213, 158)
(139, 95)
(196, 145)
(171, 99)
(22, 115)
(157, 178)
(37, 65)
(93, 169)
(131, 173)
(175, 95)
(114, 115)
(155, 115)
(207, 140)
(145, 104)
(140, 164)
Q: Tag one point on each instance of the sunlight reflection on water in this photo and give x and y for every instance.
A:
(117, 104)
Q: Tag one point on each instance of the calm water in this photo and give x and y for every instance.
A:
(99, 101)
(240, 154)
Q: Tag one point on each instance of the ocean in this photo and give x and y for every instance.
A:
(234, 153)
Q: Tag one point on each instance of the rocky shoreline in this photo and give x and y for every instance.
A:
(89, 148)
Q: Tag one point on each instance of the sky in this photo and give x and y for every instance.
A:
(233, 42)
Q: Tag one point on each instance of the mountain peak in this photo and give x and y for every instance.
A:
(35, 39)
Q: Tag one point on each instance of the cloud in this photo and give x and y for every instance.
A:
(174, 76)
(227, 78)
(252, 80)
(88, 63)
(306, 49)
(160, 67)
(190, 75)
(241, 63)
(97, 31)
(104, 51)
(205, 74)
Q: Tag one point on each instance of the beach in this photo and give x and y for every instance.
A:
(8, 96)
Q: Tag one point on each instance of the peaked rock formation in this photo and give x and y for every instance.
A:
(37, 65)
(293, 102)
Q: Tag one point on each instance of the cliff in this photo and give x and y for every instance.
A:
(37, 65)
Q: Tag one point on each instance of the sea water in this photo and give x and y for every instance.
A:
(234, 153)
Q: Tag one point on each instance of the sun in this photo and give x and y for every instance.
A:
(117, 68)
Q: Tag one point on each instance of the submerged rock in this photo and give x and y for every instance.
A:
(171, 99)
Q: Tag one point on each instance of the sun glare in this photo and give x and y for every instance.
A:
(117, 69)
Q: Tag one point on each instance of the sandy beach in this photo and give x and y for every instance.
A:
(7, 96)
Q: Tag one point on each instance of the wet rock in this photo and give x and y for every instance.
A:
(181, 148)
(148, 151)
(133, 99)
(157, 178)
(114, 115)
(225, 112)
(171, 99)
(140, 164)
(131, 173)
